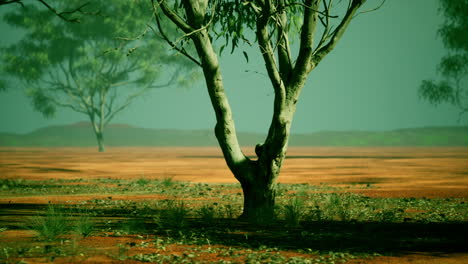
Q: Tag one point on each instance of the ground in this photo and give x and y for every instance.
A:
(360, 205)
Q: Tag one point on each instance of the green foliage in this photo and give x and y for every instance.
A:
(235, 21)
(83, 224)
(453, 31)
(336, 226)
(52, 225)
(167, 182)
(294, 212)
(102, 63)
(437, 92)
(172, 215)
(454, 66)
(206, 213)
(42, 102)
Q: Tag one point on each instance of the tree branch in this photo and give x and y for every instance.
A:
(370, 10)
(61, 14)
(170, 82)
(6, 2)
(303, 65)
(284, 51)
(70, 106)
(267, 51)
(337, 34)
(176, 19)
(110, 115)
(173, 45)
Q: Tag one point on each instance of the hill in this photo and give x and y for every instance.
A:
(81, 134)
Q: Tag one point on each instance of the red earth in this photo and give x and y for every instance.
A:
(389, 171)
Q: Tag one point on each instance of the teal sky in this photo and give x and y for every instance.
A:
(369, 82)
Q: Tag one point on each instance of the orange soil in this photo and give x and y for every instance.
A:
(106, 250)
(392, 172)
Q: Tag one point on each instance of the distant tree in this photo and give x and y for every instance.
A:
(90, 67)
(273, 23)
(454, 66)
(66, 15)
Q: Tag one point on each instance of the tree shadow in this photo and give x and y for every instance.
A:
(325, 236)
(386, 238)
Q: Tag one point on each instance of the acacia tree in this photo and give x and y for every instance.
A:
(454, 66)
(90, 67)
(202, 21)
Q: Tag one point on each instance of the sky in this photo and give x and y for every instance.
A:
(368, 82)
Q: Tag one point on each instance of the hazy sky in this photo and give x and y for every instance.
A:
(369, 82)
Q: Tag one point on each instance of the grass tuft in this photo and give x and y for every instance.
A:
(294, 211)
(53, 224)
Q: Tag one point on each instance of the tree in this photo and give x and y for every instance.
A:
(90, 67)
(454, 66)
(272, 22)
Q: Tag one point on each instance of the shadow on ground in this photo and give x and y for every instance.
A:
(353, 237)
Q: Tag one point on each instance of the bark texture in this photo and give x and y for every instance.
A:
(258, 178)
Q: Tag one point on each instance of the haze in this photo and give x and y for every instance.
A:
(369, 82)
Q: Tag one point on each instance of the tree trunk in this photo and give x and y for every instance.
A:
(100, 140)
(258, 177)
(98, 131)
(259, 198)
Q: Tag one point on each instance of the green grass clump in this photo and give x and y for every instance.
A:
(84, 224)
(167, 182)
(52, 225)
(207, 213)
(172, 215)
(294, 212)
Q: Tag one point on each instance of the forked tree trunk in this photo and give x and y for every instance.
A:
(258, 177)
(259, 183)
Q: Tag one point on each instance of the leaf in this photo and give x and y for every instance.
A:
(221, 49)
(246, 56)
(234, 44)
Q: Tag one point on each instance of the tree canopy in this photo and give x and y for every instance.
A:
(96, 67)
(454, 66)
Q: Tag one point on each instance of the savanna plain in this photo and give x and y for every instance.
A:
(180, 205)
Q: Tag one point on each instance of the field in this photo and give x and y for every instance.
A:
(179, 205)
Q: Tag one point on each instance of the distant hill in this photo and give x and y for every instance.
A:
(81, 134)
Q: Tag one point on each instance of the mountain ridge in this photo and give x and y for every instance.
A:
(81, 134)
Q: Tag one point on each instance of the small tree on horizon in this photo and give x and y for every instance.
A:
(90, 67)
(273, 23)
